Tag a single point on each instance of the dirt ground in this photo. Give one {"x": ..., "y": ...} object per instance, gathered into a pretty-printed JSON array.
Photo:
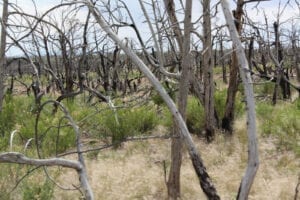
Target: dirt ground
[{"x": 136, "y": 170}]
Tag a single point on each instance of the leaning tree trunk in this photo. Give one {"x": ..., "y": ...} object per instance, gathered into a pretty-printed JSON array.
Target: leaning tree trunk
[
  {"x": 205, "y": 181},
  {"x": 2, "y": 51},
  {"x": 227, "y": 121},
  {"x": 253, "y": 160}
]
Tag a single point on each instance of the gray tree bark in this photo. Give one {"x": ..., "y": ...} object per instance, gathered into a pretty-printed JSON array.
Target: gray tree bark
[
  {"x": 208, "y": 73},
  {"x": 227, "y": 121},
  {"x": 176, "y": 157},
  {"x": 205, "y": 181},
  {"x": 2, "y": 51},
  {"x": 253, "y": 158}
]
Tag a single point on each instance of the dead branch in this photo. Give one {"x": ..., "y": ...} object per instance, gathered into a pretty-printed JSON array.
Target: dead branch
[{"x": 18, "y": 158}]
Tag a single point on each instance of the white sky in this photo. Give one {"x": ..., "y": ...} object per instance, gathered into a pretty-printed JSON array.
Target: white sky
[
  {"x": 255, "y": 13},
  {"x": 270, "y": 6}
]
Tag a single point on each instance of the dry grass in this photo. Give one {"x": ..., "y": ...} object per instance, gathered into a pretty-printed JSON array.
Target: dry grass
[{"x": 136, "y": 171}]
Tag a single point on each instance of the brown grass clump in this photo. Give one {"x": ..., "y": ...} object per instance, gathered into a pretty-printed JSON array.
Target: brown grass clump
[{"x": 136, "y": 170}]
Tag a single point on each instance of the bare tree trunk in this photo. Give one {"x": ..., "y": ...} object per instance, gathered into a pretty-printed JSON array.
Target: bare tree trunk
[
  {"x": 67, "y": 65},
  {"x": 174, "y": 175},
  {"x": 296, "y": 58},
  {"x": 253, "y": 158},
  {"x": 250, "y": 52},
  {"x": 176, "y": 145},
  {"x": 297, "y": 189},
  {"x": 285, "y": 87},
  {"x": 170, "y": 8},
  {"x": 279, "y": 58},
  {"x": 204, "y": 179},
  {"x": 227, "y": 121},
  {"x": 224, "y": 74},
  {"x": 2, "y": 51},
  {"x": 115, "y": 76},
  {"x": 208, "y": 74},
  {"x": 173, "y": 183},
  {"x": 298, "y": 70}
]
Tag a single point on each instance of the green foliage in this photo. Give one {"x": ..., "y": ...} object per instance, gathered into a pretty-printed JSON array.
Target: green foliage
[
  {"x": 156, "y": 98},
  {"x": 7, "y": 120},
  {"x": 219, "y": 69},
  {"x": 220, "y": 103},
  {"x": 55, "y": 133},
  {"x": 37, "y": 191},
  {"x": 166, "y": 118},
  {"x": 264, "y": 89},
  {"x": 282, "y": 122},
  {"x": 15, "y": 110},
  {"x": 195, "y": 116},
  {"x": 239, "y": 106},
  {"x": 17, "y": 114},
  {"x": 128, "y": 122}
]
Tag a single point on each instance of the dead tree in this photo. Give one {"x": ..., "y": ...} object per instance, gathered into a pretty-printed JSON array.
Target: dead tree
[
  {"x": 227, "y": 121},
  {"x": 280, "y": 74},
  {"x": 2, "y": 50},
  {"x": 79, "y": 166},
  {"x": 208, "y": 74},
  {"x": 204, "y": 178},
  {"x": 253, "y": 158}
]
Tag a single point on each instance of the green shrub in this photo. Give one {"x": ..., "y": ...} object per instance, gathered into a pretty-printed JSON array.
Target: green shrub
[
  {"x": 7, "y": 121},
  {"x": 165, "y": 116},
  {"x": 282, "y": 122},
  {"x": 264, "y": 89},
  {"x": 220, "y": 103},
  {"x": 13, "y": 113},
  {"x": 51, "y": 139},
  {"x": 128, "y": 122},
  {"x": 37, "y": 191},
  {"x": 195, "y": 116},
  {"x": 156, "y": 98}
]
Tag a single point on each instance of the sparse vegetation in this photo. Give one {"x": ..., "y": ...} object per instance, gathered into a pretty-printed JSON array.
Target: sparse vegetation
[
  {"x": 85, "y": 108},
  {"x": 98, "y": 122},
  {"x": 281, "y": 122}
]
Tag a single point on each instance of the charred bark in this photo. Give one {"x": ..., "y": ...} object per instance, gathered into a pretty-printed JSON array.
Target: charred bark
[{"x": 227, "y": 121}]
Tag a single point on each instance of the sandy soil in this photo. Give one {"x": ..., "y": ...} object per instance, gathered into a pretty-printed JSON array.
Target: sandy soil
[{"x": 136, "y": 170}]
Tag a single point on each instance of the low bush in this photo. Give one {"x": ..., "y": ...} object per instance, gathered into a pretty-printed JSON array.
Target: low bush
[
  {"x": 128, "y": 122},
  {"x": 281, "y": 121},
  {"x": 171, "y": 90},
  {"x": 36, "y": 191},
  {"x": 264, "y": 89},
  {"x": 194, "y": 116},
  {"x": 7, "y": 120},
  {"x": 220, "y": 103}
]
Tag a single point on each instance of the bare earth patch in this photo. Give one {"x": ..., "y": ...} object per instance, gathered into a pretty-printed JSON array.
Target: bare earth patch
[{"x": 136, "y": 171}]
